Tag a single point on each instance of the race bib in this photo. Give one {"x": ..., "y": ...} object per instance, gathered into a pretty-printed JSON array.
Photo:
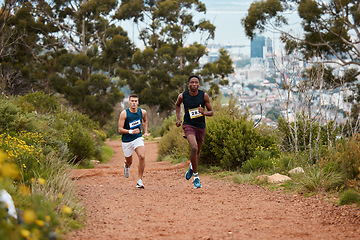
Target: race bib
[
  {"x": 135, "y": 124},
  {"x": 194, "y": 113}
]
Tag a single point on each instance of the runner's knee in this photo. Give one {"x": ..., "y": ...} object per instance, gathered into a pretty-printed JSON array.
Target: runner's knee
[
  {"x": 141, "y": 157},
  {"x": 194, "y": 149}
]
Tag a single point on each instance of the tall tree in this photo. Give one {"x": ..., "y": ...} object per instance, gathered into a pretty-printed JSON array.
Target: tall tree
[
  {"x": 161, "y": 69},
  {"x": 87, "y": 52},
  {"x": 18, "y": 46},
  {"x": 331, "y": 33}
]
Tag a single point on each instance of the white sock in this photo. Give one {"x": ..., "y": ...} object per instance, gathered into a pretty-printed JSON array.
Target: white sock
[
  {"x": 196, "y": 175},
  {"x": 190, "y": 166}
]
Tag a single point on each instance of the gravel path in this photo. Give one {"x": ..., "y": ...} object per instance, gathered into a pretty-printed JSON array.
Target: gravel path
[{"x": 170, "y": 208}]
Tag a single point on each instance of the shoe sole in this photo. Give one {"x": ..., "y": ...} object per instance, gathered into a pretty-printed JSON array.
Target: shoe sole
[{"x": 138, "y": 186}]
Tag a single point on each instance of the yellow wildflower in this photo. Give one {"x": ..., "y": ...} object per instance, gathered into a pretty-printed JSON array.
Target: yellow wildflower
[
  {"x": 40, "y": 223},
  {"x": 25, "y": 233},
  {"x": 24, "y": 190},
  {"x": 41, "y": 181},
  {"x": 9, "y": 170},
  {"x": 29, "y": 216},
  {"x": 66, "y": 209}
]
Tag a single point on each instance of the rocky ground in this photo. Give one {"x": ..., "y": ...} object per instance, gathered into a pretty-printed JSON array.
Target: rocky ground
[{"x": 170, "y": 208}]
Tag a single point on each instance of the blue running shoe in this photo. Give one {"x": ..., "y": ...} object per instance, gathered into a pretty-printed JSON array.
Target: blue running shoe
[
  {"x": 189, "y": 173},
  {"x": 197, "y": 183}
]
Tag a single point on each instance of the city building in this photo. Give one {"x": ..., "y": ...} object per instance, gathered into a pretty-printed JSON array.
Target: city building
[{"x": 257, "y": 47}]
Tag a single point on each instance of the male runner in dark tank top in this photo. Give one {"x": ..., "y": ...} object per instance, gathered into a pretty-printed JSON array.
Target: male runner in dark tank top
[{"x": 195, "y": 101}]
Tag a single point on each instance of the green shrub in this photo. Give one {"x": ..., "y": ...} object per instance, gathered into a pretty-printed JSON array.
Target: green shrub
[
  {"x": 344, "y": 157},
  {"x": 302, "y": 140},
  {"x": 39, "y": 102},
  {"x": 316, "y": 179},
  {"x": 350, "y": 158},
  {"x": 39, "y": 145},
  {"x": 39, "y": 202},
  {"x": 349, "y": 196},
  {"x": 260, "y": 162},
  {"x": 80, "y": 143},
  {"x": 173, "y": 143},
  {"x": 229, "y": 141},
  {"x": 25, "y": 149},
  {"x": 8, "y": 113},
  {"x": 168, "y": 122},
  {"x": 284, "y": 163}
]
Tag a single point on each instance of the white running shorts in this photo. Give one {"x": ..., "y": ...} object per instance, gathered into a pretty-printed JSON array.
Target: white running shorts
[{"x": 129, "y": 147}]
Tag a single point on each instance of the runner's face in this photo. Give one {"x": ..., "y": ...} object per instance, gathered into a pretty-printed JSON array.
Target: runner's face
[
  {"x": 134, "y": 102},
  {"x": 194, "y": 84}
]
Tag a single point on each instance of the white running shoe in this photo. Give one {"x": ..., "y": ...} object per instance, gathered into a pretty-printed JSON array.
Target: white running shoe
[
  {"x": 126, "y": 171},
  {"x": 140, "y": 184}
]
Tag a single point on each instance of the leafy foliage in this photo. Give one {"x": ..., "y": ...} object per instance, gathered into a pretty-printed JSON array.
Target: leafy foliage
[
  {"x": 36, "y": 146},
  {"x": 173, "y": 144},
  {"x": 349, "y": 196},
  {"x": 161, "y": 69},
  {"x": 263, "y": 160},
  {"x": 302, "y": 136},
  {"x": 230, "y": 142}
]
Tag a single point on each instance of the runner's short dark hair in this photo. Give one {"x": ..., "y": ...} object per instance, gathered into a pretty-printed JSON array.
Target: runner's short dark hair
[
  {"x": 194, "y": 76},
  {"x": 133, "y": 96}
]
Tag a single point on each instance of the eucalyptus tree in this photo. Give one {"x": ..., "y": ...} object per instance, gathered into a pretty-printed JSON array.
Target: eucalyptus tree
[
  {"x": 162, "y": 67},
  {"x": 331, "y": 35},
  {"x": 18, "y": 46},
  {"x": 88, "y": 51}
]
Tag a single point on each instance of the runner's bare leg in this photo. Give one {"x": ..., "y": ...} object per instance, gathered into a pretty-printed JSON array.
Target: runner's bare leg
[
  {"x": 194, "y": 152},
  {"x": 128, "y": 161},
  {"x": 140, "y": 151}
]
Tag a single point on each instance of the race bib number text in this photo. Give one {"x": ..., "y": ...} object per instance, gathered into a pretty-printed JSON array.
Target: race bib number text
[
  {"x": 194, "y": 113},
  {"x": 135, "y": 124}
]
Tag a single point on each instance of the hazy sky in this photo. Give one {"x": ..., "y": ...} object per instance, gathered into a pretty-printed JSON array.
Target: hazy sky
[{"x": 226, "y": 15}]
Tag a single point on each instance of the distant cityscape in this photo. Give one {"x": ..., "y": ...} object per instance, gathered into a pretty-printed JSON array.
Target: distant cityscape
[{"x": 256, "y": 84}]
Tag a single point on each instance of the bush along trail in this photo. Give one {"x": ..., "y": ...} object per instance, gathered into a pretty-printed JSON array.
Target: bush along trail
[{"x": 170, "y": 208}]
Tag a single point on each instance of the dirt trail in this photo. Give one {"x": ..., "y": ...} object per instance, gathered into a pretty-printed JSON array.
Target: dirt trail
[{"x": 170, "y": 208}]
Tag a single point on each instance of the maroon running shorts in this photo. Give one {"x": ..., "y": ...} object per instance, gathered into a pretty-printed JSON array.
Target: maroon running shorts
[{"x": 199, "y": 133}]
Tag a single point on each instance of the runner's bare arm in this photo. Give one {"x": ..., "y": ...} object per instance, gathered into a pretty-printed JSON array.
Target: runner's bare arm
[
  {"x": 178, "y": 108},
  {"x": 122, "y": 130},
  {"x": 145, "y": 123},
  {"x": 208, "y": 106}
]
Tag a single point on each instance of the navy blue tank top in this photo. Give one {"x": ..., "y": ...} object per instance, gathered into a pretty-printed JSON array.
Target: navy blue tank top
[
  {"x": 132, "y": 121},
  {"x": 191, "y": 106}
]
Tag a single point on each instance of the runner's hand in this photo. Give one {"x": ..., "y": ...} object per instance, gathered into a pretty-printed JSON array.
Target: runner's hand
[
  {"x": 146, "y": 135},
  {"x": 136, "y": 131},
  {"x": 178, "y": 123},
  {"x": 201, "y": 110}
]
